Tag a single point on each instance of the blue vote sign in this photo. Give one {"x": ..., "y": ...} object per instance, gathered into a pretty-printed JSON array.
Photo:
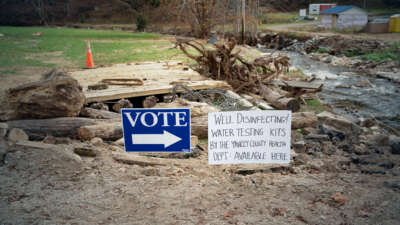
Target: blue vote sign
[{"x": 156, "y": 130}]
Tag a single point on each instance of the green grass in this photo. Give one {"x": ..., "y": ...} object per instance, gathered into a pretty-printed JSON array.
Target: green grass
[
  {"x": 279, "y": 18},
  {"x": 65, "y": 47},
  {"x": 392, "y": 53},
  {"x": 321, "y": 50},
  {"x": 268, "y": 19}
]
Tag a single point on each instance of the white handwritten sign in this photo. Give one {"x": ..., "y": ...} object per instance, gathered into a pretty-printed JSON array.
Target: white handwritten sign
[{"x": 249, "y": 137}]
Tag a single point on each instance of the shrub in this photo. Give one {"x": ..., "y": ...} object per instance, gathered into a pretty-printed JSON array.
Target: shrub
[{"x": 140, "y": 23}]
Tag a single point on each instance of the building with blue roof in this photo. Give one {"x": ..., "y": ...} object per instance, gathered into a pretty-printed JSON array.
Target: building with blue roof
[{"x": 346, "y": 16}]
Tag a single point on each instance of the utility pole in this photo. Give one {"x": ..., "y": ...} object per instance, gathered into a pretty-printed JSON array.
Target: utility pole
[{"x": 243, "y": 20}]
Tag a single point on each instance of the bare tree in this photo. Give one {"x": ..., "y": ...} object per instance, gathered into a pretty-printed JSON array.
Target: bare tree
[{"x": 201, "y": 15}]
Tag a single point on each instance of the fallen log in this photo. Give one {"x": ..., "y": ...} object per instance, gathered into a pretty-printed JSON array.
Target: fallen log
[
  {"x": 106, "y": 131},
  {"x": 304, "y": 119},
  {"x": 57, "y": 127},
  {"x": 99, "y": 114},
  {"x": 140, "y": 160},
  {"x": 199, "y": 126},
  {"x": 113, "y": 131},
  {"x": 278, "y": 100}
]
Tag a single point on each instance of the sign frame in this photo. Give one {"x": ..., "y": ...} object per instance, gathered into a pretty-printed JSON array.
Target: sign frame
[
  {"x": 174, "y": 141},
  {"x": 249, "y": 137}
]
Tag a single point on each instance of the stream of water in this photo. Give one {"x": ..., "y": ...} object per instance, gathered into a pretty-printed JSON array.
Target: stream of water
[{"x": 344, "y": 91}]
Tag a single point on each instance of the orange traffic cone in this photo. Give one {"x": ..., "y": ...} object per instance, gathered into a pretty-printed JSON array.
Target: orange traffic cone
[{"x": 89, "y": 57}]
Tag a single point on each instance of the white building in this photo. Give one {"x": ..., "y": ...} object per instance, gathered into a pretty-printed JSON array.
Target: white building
[{"x": 344, "y": 17}]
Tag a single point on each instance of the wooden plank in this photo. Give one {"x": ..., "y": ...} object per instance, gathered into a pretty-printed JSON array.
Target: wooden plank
[
  {"x": 146, "y": 90},
  {"x": 298, "y": 84},
  {"x": 158, "y": 78},
  {"x": 134, "y": 159}
]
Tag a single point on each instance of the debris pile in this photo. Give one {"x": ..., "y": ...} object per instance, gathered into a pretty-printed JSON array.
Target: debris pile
[
  {"x": 338, "y": 45},
  {"x": 225, "y": 64}
]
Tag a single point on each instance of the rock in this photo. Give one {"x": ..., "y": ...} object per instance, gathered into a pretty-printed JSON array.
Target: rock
[
  {"x": 99, "y": 106},
  {"x": 394, "y": 139},
  {"x": 56, "y": 95},
  {"x": 364, "y": 83},
  {"x": 387, "y": 164},
  {"x": 123, "y": 103},
  {"x": 3, "y": 129},
  {"x": 395, "y": 149},
  {"x": 377, "y": 140},
  {"x": 367, "y": 122},
  {"x": 299, "y": 146},
  {"x": 57, "y": 140},
  {"x": 317, "y": 137},
  {"x": 339, "y": 123},
  {"x": 237, "y": 179},
  {"x": 120, "y": 142},
  {"x": 309, "y": 130},
  {"x": 96, "y": 141},
  {"x": 85, "y": 151},
  {"x": 332, "y": 132},
  {"x": 150, "y": 102},
  {"x": 396, "y": 171},
  {"x": 360, "y": 149},
  {"x": 395, "y": 184},
  {"x": 339, "y": 198},
  {"x": 327, "y": 59},
  {"x": 17, "y": 134},
  {"x": 369, "y": 160},
  {"x": 301, "y": 159},
  {"x": 328, "y": 148},
  {"x": 313, "y": 147},
  {"x": 151, "y": 172},
  {"x": 394, "y": 142},
  {"x": 3, "y": 151},
  {"x": 316, "y": 164},
  {"x": 304, "y": 119},
  {"x": 373, "y": 170}
]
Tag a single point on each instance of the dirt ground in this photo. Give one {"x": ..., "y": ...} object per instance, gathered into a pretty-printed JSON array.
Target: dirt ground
[{"x": 52, "y": 185}]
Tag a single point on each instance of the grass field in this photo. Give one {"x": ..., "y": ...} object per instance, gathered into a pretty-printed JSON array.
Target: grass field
[{"x": 66, "y": 48}]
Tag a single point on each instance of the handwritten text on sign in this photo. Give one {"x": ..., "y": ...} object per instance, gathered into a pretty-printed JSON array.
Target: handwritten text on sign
[{"x": 249, "y": 137}]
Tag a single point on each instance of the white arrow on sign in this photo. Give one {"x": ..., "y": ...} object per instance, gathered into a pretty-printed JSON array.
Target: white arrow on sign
[{"x": 165, "y": 139}]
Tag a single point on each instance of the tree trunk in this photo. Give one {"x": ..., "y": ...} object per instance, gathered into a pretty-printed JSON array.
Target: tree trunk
[
  {"x": 99, "y": 114},
  {"x": 106, "y": 131},
  {"x": 58, "y": 127},
  {"x": 278, "y": 100}
]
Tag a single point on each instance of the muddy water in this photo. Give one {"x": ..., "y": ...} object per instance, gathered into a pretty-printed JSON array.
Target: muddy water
[{"x": 354, "y": 95}]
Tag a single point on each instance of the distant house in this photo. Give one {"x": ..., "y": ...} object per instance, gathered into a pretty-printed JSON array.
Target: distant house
[{"x": 344, "y": 17}]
